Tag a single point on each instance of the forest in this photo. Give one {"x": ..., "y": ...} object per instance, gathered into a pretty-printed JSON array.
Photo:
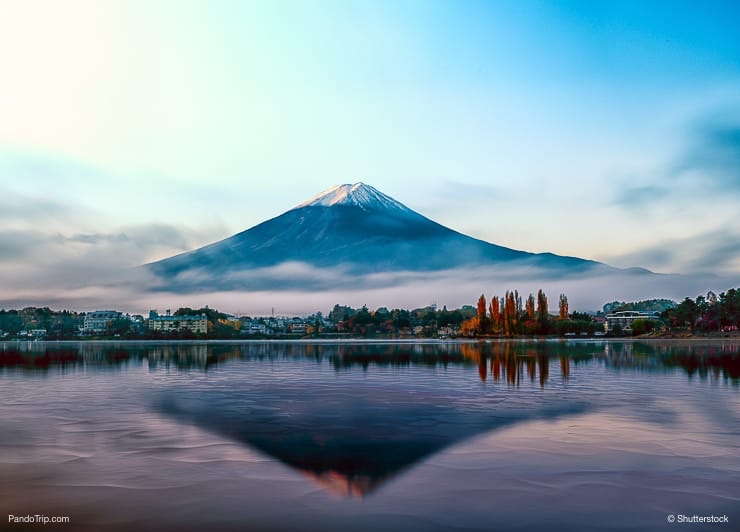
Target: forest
[{"x": 506, "y": 316}]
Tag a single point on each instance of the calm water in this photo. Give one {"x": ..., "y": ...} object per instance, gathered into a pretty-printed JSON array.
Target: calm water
[{"x": 436, "y": 436}]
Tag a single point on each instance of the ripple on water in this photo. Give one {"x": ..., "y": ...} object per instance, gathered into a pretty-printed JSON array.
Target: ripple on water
[{"x": 268, "y": 439}]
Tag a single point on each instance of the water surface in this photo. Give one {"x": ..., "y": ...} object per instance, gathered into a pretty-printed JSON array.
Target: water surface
[{"x": 363, "y": 436}]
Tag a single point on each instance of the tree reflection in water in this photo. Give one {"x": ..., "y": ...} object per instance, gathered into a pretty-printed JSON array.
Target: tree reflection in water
[
  {"x": 348, "y": 436},
  {"x": 507, "y": 360}
]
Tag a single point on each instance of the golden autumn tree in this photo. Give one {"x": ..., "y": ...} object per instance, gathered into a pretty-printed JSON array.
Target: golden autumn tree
[
  {"x": 563, "y": 307},
  {"x": 541, "y": 307},
  {"x": 529, "y": 307},
  {"x": 505, "y": 321},
  {"x": 494, "y": 311},
  {"x": 509, "y": 317},
  {"x": 482, "y": 321},
  {"x": 518, "y": 301},
  {"x": 469, "y": 327}
]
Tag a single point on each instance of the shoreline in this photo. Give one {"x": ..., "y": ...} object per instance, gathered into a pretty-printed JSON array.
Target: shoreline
[{"x": 367, "y": 341}]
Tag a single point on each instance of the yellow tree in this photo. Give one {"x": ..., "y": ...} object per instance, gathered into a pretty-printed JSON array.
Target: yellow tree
[
  {"x": 495, "y": 313},
  {"x": 518, "y": 301},
  {"x": 509, "y": 313},
  {"x": 501, "y": 311},
  {"x": 482, "y": 313},
  {"x": 541, "y": 307},
  {"x": 505, "y": 319},
  {"x": 530, "y": 307},
  {"x": 563, "y": 307},
  {"x": 469, "y": 327}
]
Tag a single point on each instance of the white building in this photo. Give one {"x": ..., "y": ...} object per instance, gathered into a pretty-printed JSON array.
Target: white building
[
  {"x": 169, "y": 323},
  {"x": 625, "y": 318},
  {"x": 255, "y": 327},
  {"x": 33, "y": 333},
  {"x": 298, "y": 327},
  {"x": 99, "y": 320}
]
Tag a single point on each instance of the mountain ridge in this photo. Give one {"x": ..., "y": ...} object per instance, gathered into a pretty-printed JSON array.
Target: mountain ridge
[{"x": 354, "y": 227}]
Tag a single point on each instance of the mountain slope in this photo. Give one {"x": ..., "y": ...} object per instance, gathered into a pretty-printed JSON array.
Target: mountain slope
[{"x": 357, "y": 228}]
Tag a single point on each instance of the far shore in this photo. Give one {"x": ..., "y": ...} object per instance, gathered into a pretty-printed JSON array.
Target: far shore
[{"x": 732, "y": 338}]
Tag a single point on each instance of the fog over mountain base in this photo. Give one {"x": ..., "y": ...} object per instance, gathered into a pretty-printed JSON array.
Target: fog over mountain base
[
  {"x": 452, "y": 288},
  {"x": 298, "y": 289}
]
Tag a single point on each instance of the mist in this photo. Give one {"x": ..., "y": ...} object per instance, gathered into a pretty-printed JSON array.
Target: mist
[{"x": 300, "y": 289}]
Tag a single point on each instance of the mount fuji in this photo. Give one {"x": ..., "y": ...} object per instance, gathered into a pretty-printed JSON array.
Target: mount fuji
[{"x": 354, "y": 228}]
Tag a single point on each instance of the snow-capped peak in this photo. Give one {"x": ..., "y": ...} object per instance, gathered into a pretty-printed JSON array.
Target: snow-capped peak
[{"x": 359, "y": 195}]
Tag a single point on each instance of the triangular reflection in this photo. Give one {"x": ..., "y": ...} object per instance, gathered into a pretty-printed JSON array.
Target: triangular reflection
[{"x": 352, "y": 437}]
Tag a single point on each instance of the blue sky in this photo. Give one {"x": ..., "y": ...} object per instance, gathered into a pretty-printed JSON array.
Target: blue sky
[{"x": 605, "y": 130}]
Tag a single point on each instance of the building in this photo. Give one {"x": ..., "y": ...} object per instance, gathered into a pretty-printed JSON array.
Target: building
[
  {"x": 36, "y": 334},
  {"x": 99, "y": 320},
  {"x": 169, "y": 323},
  {"x": 624, "y": 319},
  {"x": 276, "y": 324},
  {"x": 443, "y": 332},
  {"x": 298, "y": 326},
  {"x": 138, "y": 324},
  {"x": 598, "y": 320},
  {"x": 255, "y": 327}
]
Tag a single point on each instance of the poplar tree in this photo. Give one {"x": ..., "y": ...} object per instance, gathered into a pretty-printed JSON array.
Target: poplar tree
[
  {"x": 563, "y": 307},
  {"x": 541, "y": 307},
  {"x": 495, "y": 314},
  {"x": 509, "y": 313},
  {"x": 482, "y": 322},
  {"x": 530, "y": 307},
  {"x": 518, "y": 301}
]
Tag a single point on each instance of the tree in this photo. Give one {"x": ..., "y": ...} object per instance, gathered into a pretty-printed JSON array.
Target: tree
[
  {"x": 509, "y": 317},
  {"x": 728, "y": 310},
  {"x": 482, "y": 321},
  {"x": 518, "y": 301},
  {"x": 429, "y": 317},
  {"x": 686, "y": 312},
  {"x": 341, "y": 313},
  {"x": 530, "y": 307},
  {"x": 11, "y": 322},
  {"x": 542, "y": 312},
  {"x": 119, "y": 326},
  {"x": 64, "y": 325},
  {"x": 642, "y": 326},
  {"x": 401, "y": 318},
  {"x": 444, "y": 317},
  {"x": 563, "y": 307},
  {"x": 363, "y": 316},
  {"x": 709, "y": 320},
  {"x": 495, "y": 312},
  {"x": 648, "y": 305},
  {"x": 469, "y": 327}
]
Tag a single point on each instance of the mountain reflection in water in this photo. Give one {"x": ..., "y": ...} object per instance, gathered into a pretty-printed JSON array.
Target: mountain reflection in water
[
  {"x": 508, "y": 360},
  {"x": 351, "y": 437}
]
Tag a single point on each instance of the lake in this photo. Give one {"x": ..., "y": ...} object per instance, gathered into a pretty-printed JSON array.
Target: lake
[{"x": 550, "y": 435}]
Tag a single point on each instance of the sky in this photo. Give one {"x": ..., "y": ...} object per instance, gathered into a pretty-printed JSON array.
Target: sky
[{"x": 133, "y": 130}]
